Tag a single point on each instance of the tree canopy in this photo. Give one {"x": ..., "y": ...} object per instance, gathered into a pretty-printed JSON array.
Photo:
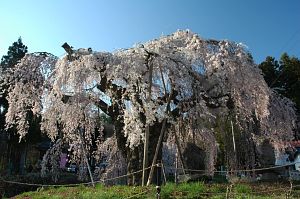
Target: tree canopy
[{"x": 180, "y": 77}]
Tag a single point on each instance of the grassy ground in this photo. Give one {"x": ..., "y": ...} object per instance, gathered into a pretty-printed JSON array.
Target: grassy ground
[{"x": 170, "y": 190}]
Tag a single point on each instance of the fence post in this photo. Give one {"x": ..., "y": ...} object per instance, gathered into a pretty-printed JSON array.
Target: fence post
[
  {"x": 289, "y": 192},
  {"x": 158, "y": 190},
  {"x": 1, "y": 188},
  {"x": 227, "y": 192}
]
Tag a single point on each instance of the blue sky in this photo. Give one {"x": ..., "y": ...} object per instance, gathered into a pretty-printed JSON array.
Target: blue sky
[{"x": 267, "y": 27}]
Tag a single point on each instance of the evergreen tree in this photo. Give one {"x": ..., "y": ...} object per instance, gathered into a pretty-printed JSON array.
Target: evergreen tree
[
  {"x": 15, "y": 53},
  {"x": 283, "y": 76},
  {"x": 270, "y": 69},
  {"x": 290, "y": 78}
]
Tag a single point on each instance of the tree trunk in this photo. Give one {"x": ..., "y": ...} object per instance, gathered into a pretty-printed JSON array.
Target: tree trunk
[
  {"x": 134, "y": 157},
  {"x": 22, "y": 163}
]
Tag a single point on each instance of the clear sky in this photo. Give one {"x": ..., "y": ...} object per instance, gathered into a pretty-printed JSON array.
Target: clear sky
[{"x": 267, "y": 27}]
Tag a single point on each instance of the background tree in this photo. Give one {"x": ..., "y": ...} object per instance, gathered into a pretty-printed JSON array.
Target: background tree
[
  {"x": 270, "y": 69},
  {"x": 15, "y": 53},
  {"x": 290, "y": 78},
  {"x": 284, "y": 77}
]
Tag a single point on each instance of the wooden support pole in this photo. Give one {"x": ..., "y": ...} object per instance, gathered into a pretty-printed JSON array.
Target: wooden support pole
[
  {"x": 233, "y": 139},
  {"x": 162, "y": 132},
  {"x": 145, "y": 158},
  {"x": 234, "y": 147},
  {"x": 179, "y": 149},
  {"x": 176, "y": 167},
  {"x": 85, "y": 156},
  {"x": 147, "y": 131},
  {"x": 161, "y": 135},
  {"x": 164, "y": 172}
]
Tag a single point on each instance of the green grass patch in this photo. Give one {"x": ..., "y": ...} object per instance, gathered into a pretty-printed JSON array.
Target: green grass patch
[
  {"x": 168, "y": 191},
  {"x": 242, "y": 188}
]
